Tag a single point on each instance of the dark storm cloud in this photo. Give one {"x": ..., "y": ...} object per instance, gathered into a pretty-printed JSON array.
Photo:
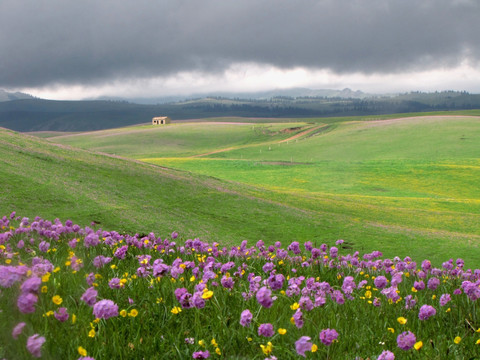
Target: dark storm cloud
[{"x": 84, "y": 42}]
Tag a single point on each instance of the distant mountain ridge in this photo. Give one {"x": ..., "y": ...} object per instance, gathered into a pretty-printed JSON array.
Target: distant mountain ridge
[
  {"x": 8, "y": 96},
  {"x": 32, "y": 114},
  {"x": 257, "y": 95}
]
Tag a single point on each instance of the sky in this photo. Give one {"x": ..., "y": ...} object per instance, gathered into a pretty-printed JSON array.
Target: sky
[{"x": 70, "y": 49}]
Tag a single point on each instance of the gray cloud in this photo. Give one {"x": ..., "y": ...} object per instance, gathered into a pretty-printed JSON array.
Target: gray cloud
[{"x": 46, "y": 42}]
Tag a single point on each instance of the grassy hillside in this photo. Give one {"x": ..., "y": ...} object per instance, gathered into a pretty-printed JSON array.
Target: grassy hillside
[
  {"x": 38, "y": 178},
  {"x": 406, "y": 186},
  {"x": 183, "y": 139}
]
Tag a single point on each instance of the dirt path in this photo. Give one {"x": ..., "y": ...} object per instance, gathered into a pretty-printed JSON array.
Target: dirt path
[{"x": 294, "y": 137}]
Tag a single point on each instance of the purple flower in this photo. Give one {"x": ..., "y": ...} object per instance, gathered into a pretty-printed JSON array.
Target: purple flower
[
  {"x": 90, "y": 296},
  {"x": 275, "y": 281},
  {"x": 227, "y": 282},
  {"x": 115, "y": 283},
  {"x": 43, "y": 246},
  {"x": 31, "y": 285},
  {"x": 201, "y": 354},
  {"x": 90, "y": 279},
  {"x": 426, "y": 311},
  {"x": 105, "y": 309},
  {"x": 327, "y": 336},
  {"x": 121, "y": 252},
  {"x": 268, "y": 267},
  {"x": 17, "y": 330},
  {"x": 380, "y": 282},
  {"x": 419, "y": 285},
  {"x": 101, "y": 260},
  {"x": 91, "y": 240},
  {"x": 86, "y": 358},
  {"x": 433, "y": 283},
  {"x": 61, "y": 315},
  {"x": 386, "y": 355},
  {"x": 333, "y": 252},
  {"x": 298, "y": 318},
  {"x": 34, "y": 345},
  {"x": 266, "y": 330},
  {"x": 410, "y": 302},
  {"x": 471, "y": 289},
  {"x": 303, "y": 344},
  {"x": 348, "y": 285},
  {"x": 246, "y": 318},
  {"x": 426, "y": 265},
  {"x": 26, "y": 302},
  {"x": 294, "y": 247},
  {"x": 264, "y": 297},
  {"x": 406, "y": 340},
  {"x": 445, "y": 299}
]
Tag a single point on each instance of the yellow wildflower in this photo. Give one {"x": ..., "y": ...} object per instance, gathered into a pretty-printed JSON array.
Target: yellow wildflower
[
  {"x": 392, "y": 330},
  {"x": 82, "y": 351},
  {"x": 133, "y": 313},
  {"x": 74, "y": 318},
  {"x": 91, "y": 333},
  {"x": 457, "y": 340},
  {"x": 123, "y": 313},
  {"x": 44, "y": 289},
  {"x": 294, "y": 306},
  {"x": 267, "y": 349},
  {"x": 282, "y": 331},
  {"x": 57, "y": 300},
  {"x": 418, "y": 345},
  {"x": 46, "y": 277},
  {"x": 207, "y": 294},
  {"x": 401, "y": 320},
  {"x": 176, "y": 310},
  {"x": 217, "y": 351},
  {"x": 314, "y": 348},
  {"x": 201, "y": 343}
]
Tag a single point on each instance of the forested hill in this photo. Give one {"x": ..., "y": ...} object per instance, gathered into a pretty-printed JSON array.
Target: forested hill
[{"x": 43, "y": 115}]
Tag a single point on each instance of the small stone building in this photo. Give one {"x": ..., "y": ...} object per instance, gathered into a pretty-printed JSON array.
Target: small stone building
[{"x": 161, "y": 120}]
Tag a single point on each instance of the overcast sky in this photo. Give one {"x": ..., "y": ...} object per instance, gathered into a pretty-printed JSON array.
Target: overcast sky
[{"x": 82, "y": 48}]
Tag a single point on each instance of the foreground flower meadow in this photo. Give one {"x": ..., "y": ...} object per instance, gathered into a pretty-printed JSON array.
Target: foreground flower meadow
[{"x": 68, "y": 292}]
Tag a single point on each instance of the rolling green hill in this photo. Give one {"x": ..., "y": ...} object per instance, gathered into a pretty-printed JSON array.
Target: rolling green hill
[{"x": 408, "y": 186}]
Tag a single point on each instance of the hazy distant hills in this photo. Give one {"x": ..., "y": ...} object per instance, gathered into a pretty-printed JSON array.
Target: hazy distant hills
[
  {"x": 8, "y": 96},
  {"x": 259, "y": 95},
  {"x": 22, "y": 112}
]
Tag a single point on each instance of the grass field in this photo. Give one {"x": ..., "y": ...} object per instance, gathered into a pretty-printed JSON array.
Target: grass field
[{"x": 405, "y": 185}]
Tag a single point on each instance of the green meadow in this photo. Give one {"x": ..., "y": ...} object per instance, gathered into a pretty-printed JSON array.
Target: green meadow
[{"x": 406, "y": 185}]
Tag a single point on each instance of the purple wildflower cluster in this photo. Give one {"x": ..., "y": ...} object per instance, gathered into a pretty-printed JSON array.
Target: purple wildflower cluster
[{"x": 196, "y": 270}]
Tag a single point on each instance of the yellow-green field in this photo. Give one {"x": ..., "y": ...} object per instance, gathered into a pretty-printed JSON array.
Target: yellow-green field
[{"x": 406, "y": 185}]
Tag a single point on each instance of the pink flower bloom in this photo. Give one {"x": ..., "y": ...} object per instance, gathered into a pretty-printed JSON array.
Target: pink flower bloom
[
  {"x": 17, "y": 330},
  {"x": 105, "y": 309},
  {"x": 266, "y": 330},
  {"x": 34, "y": 345},
  {"x": 263, "y": 297},
  {"x": 327, "y": 336},
  {"x": 90, "y": 296},
  {"x": 303, "y": 344},
  {"x": 406, "y": 340},
  {"x": 26, "y": 302},
  {"x": 426, "y": 311},
  {"x": 386, "y": 355},
  {"x": 61, "y": 315},
  {"x": 246, "y": 318}
]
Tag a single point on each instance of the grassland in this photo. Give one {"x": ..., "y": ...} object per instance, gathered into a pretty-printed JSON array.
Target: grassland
[{"x": 405, "y": 185}]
